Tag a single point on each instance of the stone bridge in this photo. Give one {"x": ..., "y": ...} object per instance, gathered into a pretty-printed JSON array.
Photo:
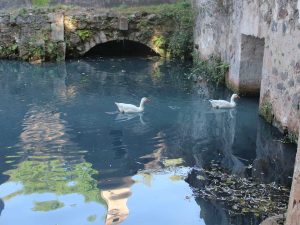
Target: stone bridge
[
  {"x": 38, "y": 35},
  {"x": 84, "y": 32}
]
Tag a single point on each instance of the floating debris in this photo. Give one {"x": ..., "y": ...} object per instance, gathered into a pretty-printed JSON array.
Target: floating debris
[
  {"x": 173, "y": 162},
  {"x": 239, "y": 196}
]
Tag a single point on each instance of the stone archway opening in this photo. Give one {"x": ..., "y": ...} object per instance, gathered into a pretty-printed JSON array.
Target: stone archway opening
[
  {"x": 121, "y": 48},
  {"x": 252, "y": 54}
]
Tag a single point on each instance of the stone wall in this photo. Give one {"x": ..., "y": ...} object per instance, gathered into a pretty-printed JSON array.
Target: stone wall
[
  {"x": 8, "y": 4},
  {"x": 86, "y": 30},
  {"x": 38, "y": 35},
  {"x": 32, "y": 36},
  {"x": 109, "y": 3},
  {"x": 293, "y": 214},
  {"x": 261, "y": 42}
]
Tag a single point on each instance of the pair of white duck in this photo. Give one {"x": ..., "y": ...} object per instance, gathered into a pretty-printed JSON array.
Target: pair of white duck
[{"x": 220, "y": 104}]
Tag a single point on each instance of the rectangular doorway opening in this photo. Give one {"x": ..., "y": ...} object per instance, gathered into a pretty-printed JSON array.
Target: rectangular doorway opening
[{"x": 252, "y": 54}]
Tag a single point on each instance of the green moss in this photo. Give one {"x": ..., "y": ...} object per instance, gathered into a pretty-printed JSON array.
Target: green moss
[
  {"x": 84, "y": 34},
  {"x": 213, "y": 69},
  {"x": 266, "y": 111},
  {"x": 46, "y": 206}
]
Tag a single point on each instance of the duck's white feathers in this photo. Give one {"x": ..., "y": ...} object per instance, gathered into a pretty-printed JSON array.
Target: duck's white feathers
[
  {"x": 128, "y": 108},
  {"x": 222, "y": 104}
]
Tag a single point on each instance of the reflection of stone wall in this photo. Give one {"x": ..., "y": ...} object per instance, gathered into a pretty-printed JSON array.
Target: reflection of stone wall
[
  {"x": 274, "y": 160},
  {"x": 293, "y": 214},
  {"x": 275, "y": 22},
  {"x": 210, "y": 135}
]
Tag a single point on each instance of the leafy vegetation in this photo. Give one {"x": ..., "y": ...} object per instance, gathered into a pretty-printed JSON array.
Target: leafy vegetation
[
  {"x": 181, "y": 41},
  {"x": 266, "y": 111},
  {"x": 40, "y": 2},
  {"x": 289, "y": 138},
  {"x": 34, "y": 52},
  {"x": 10, "y": 50},
  {"x": 84, "y": 34},
  {"x": 213, "y": 69},
  {"x": 176, "y": 42},
  {"x": 54, "y": 51}
]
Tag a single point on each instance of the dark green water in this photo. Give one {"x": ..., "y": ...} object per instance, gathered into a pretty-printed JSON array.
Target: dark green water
[{"x": 67, "y": 158}]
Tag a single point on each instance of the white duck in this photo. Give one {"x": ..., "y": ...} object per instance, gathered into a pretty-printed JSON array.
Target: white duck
[
  {"x": 129, "y": 108},
  {"x": 219, "y": 104}
]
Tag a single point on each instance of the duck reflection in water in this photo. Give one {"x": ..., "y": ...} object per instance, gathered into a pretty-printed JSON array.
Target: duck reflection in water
[{"x": 126, "y": 117}]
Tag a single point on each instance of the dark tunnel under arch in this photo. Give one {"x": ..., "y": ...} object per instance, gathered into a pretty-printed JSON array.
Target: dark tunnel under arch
[{"x": 123, "y": 48}]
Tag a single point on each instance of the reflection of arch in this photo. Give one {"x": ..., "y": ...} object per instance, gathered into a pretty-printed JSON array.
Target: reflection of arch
[{"x": 102, "y": 38}]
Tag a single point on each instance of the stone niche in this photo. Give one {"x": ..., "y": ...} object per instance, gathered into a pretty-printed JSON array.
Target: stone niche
[{"x": 252, "y": 53}]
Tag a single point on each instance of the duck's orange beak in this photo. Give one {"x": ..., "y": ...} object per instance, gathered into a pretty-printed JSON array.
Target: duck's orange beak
[{"x": 238, "y": 97}]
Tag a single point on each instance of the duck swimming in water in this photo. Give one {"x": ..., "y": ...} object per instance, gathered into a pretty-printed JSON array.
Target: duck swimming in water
[
  {"x": 129, "y": 108},
  {"x": 223, "y": 104}
]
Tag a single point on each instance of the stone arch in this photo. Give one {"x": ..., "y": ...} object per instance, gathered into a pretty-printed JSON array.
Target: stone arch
[{"x": 101, "y": 38}]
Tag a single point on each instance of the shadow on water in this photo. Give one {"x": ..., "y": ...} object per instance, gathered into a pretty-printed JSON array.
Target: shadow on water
[{"x": 62, "y": 153}]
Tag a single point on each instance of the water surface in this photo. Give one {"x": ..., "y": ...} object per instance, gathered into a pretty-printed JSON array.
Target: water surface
[{"x": 67, "y": 157}]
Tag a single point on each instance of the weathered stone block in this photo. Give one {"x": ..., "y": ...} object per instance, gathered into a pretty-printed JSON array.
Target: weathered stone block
[
  {"x": 123, "y": 23},
  {"x": 5, "y": 19},
  {"x": 92, "y": 43},
  {"x": 291, "y": 83},
  {"x": 103, "y": 37},
  {"x": 112, "y": 15},
  {"x": 282, "y": 13},
  {"x": 274, "y": 26},
  {"x": 275, "y": 71},
  {"x": 284, "y": 75},
  {"x": 74, "y": 39},
  {"x": 4, "y": 28},
  {"x": 280, "y": 87},
  {"x": 57, "y": 26},
  {"x": 151, "y": 17}
]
